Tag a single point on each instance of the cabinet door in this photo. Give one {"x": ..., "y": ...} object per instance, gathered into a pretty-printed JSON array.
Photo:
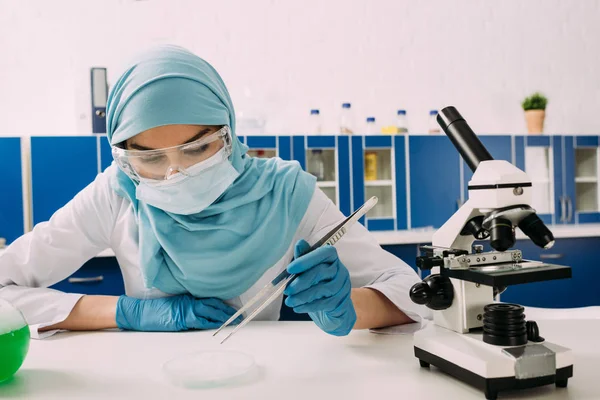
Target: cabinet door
[
  {"x": 434, "y": 180},
  {"x": 581, "y": 172},
  {"x": 11, "y": 190},
  {"x": 500, "y": 147},
  {"x": 261, "y": 146},
  {"x": 374, "y": 170},
  {"x": 581, "y": 254},
  {"x": 541, "y": 158},
  {"x": 60, "y": 168},
  {"x": 328, "y": 159},
  {"x": 406, "y": 252},
  {"x": 106, "y": 157}
]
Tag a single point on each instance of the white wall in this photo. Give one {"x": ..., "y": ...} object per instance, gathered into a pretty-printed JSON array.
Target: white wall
[{"x": 482, "y": 56}]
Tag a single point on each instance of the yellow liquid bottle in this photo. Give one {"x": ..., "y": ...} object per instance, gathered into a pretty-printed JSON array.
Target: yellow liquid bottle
[{"x": 370, "y": 166}]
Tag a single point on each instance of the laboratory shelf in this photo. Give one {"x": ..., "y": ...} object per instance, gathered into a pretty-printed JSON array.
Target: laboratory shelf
[
  {"x": 327, "y": 184},
  {"x": 385, "y": 182},
  {"x": 586, "y": 179}
]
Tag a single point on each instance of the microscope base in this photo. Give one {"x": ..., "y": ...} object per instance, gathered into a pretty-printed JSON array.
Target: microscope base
[{"x": 490, "y": 368}]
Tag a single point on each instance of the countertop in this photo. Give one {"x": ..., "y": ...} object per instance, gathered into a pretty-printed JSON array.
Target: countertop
[
  {"x": 296, "y": 361},
  {"x": 423, "y": 236}
]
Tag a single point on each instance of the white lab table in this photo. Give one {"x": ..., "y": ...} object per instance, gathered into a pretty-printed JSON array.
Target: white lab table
[{"x": 297, "y": 361}]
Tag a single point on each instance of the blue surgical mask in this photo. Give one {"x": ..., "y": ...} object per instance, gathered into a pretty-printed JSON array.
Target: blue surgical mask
[{"x": 189, "y": 194}]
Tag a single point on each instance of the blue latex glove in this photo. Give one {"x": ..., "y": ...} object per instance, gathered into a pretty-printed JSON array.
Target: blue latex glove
[
  {"x": 321, "y": 288},
  {"x": 170, "y": 314}
]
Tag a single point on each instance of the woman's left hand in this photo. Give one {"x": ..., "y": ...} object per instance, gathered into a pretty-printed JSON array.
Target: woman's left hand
[{"x": 321, "y": 288}]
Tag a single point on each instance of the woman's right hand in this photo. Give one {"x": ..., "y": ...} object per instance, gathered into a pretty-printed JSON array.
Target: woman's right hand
[{"x": 170, "y": 314}]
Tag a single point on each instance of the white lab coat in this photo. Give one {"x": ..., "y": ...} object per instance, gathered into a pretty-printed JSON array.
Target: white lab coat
[{"x": 97, "y": 219}]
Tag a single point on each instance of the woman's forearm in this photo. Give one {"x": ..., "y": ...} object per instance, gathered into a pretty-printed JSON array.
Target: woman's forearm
[
  {"x": 374, "y": 310},
  {"x": 89, "y": 314}
]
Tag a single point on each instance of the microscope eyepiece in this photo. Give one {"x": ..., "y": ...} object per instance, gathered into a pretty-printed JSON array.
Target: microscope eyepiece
[
  {"x": 537, "y": 231},
  {"x": 462, "y": 136}
]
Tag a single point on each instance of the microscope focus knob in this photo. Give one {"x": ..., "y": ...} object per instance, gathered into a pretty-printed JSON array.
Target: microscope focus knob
[
  {"x": 435, "y": 292},
  {"x": 424, "y": 263}
]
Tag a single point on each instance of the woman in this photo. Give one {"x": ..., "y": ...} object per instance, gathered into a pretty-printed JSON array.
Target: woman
[{"x": 198, "y": 226}]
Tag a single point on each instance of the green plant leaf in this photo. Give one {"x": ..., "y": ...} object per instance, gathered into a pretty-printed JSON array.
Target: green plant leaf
[{"x": 536, "y": 101}]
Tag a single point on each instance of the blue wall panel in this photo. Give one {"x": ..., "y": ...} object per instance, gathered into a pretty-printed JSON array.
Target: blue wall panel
[
  {"x": 11, "y": 189},
  {"x": 60, "y": 168}
]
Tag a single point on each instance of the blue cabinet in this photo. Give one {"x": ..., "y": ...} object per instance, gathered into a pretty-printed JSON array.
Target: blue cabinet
[
  {"x": 541, "y": 158},
  {"x": 581, "y": 254},
  {"x": 564, "y": 171},
  {"x": 11, "y": 190},
  {"x": 105, "y": 152},
  {"x": 60, "y": 168},
  {"x": 328, "y": 158},
  {"x": 99, "y": 276},
  {"x": 268, "y": 146},
  {"x": 406, "y": 252},
  {"x": 379, "y": 169},
  {"x": 581, "y": 171},
  {"x": 435, "y": 187}
]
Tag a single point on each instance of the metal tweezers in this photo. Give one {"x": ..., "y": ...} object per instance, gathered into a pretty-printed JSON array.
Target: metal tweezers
[{"x": 274, "y": 288}]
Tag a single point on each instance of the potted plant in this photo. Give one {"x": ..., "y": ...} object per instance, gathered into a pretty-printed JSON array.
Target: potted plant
[{"x": 535, "y": 112}]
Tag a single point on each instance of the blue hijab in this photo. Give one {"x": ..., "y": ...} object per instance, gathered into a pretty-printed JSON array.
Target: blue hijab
[{"x": 223, "y": 250}]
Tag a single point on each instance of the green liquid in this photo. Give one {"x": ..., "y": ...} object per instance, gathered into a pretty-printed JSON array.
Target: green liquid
[{"x": 13, "y": 349}]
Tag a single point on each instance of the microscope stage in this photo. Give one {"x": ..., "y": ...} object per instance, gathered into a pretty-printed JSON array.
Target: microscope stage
[{"x": 508, "y": 274}]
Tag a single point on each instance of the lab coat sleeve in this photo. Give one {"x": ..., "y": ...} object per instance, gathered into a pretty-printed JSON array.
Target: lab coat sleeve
[
  {"x": 369, "y": 265},
  {"x": 52, "y": 251}
]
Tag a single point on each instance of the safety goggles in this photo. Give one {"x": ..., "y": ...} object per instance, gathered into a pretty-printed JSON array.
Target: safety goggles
[{"x": 163, "y": 164}]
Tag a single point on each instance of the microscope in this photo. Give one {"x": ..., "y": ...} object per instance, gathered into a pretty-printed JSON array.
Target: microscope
[{"x": 485, "y": 343}]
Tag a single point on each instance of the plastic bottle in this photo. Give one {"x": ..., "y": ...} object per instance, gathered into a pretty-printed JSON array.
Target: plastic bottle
[
  {"x": 401, "y": 122},
  {"x": 346, "y": 120},
  {"x": 317, "y": 165},
  {"x": 434, "y": 127},
  {"x": 315, "y": 126},
  {"x": 371, "y": 129}
]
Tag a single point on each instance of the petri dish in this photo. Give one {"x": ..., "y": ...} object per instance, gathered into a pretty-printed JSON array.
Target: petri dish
[{"x": 205, "y": 369}]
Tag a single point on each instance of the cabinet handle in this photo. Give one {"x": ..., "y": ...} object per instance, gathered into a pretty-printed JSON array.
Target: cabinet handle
[
  {"x": 99, "y": 278},
  {"x": 551, "y": 256},
  {"x": 563, "y": 209},
  {"x": 570, "y": 208}
]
